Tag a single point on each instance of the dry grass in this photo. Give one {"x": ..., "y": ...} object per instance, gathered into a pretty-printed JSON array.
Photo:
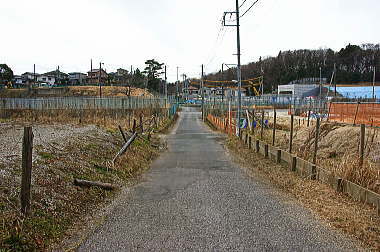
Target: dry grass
[
  {"x": 57, "y": 204},
  {"x": 338, "y": 148},
  {"x": 107, "y": 91},
  {"x": 359, "y": 221}
]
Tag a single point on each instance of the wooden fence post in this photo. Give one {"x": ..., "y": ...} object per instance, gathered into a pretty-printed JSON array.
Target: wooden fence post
[
  {"x": 313, "y": 172},
  {"x": 141, "y": 123},
  {"x": 293, "y": 164},
  {"x": 252, "y": 122},
  {"x": 278, "y": 156},
  {"x": 316, "y": 141},
  {"x": 362, "y": 140},
  {"x": 291, "y": 133},
  {"x": 308, "y": 118},
  {"x": 262, "y": 125},
  {"x": 27, "y": 150},
  {"x": 257, "y": 145},
  {"x": 266, "y": 151},
  {"x": 250, "y": 142},
  {"x": 274, "y": 127},
  {"x": 134, "y": 126}
]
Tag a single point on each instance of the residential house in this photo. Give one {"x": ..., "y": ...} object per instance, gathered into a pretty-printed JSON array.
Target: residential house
[
  {"x": 60, "y": 77},
  {"x": 18, "y": 81},
  {"x": 29, "y": 77},
  {"x": 93, "y": 76},
  {"x": 77, "y": 78},
  {"x": 45, "y": 78}
]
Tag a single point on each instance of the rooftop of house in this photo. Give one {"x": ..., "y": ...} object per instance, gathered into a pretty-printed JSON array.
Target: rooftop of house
[
  {"x": 95, "y": 71},
  {"x": 74, "y": 73}
]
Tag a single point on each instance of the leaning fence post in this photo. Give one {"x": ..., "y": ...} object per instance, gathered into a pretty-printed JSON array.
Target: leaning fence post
[
  {"x": 316, "y": 141},
  {"x": 134, "y": 126},
  {"x": 141, "y": 123},
  {"x": 362, "y": 139},
  {"x": 274, "y": 127},
  {"x": 27, "y": 149},
  {"x": 291, "y": 133}
]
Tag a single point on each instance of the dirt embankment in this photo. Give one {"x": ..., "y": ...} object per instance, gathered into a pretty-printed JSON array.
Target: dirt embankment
[
  {"x": 61, "y": 154},
  {"x": 338, "y": 149}
]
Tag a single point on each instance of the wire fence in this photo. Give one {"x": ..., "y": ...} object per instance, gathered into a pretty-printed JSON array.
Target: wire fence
[{"x": 356, "y": 113}]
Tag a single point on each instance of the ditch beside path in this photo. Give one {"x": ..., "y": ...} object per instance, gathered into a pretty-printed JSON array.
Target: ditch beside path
[{"x": 195, "y": 198}]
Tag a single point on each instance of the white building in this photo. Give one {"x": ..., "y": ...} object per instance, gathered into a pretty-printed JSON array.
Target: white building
[
  {"x": 299, "y": 90},
  {"x": 49, "y": 79}
]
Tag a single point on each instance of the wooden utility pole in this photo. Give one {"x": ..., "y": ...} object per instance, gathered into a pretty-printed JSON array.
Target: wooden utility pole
[
  {"x": 203, "y": 96},
  {"x": 27, "y": 150},
  {"x": 99, "y": 79}
]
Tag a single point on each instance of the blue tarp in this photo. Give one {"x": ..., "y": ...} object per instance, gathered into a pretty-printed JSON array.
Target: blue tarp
[{"x": 356, "y": 92}]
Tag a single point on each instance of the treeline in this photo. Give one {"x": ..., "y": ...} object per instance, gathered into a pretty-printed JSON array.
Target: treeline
[{"x": 354, "y": 64}]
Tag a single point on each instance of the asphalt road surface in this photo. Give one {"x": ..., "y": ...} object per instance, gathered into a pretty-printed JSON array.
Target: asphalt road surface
[{"x": 196, "y": 198}]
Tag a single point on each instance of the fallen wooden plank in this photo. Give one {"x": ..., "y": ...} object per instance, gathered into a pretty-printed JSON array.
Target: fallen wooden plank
[
  {"x": 125, "y": 147},
  {"x": 87, "y": 183}
]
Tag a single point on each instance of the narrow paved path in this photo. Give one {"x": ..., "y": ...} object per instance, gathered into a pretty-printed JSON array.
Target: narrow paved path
[{"x": 196, "y": 198}]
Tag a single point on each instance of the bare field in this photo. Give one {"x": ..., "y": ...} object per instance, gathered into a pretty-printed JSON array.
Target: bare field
[{"x": 63, "y": 152}]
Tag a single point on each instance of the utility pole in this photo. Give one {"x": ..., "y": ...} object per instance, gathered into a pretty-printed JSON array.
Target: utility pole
[
  {"x": 34, "y": 74},
  {"x": 238, "y": 61},
  {"x": 176, "y": 92},
  {"x": 166, "y": 85},
  {"x": 203, "y": 96},
  {"x": 334, "y": 75},
  {"x": 239, "y": 64},
  {"x": 373, "y": 83},
  {"x": 320, "y": 82},
  {"x": 222, "y": 84},
  {"x": 99, "y": 79}
]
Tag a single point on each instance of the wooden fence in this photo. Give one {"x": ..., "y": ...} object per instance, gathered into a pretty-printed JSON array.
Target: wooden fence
[
  {"x": 82, "y": 103},
  {"x": 304, "y": 168}
]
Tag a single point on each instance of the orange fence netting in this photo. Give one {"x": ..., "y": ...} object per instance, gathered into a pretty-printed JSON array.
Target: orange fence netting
[{"x": 356, "y": 113}]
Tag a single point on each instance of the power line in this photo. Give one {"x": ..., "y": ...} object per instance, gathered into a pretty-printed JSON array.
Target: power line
[
  {"x": 242, "y": 3},
  {"x": 249, "y": 8}
]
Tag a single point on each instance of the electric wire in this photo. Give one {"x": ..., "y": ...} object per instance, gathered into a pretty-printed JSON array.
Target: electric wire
[
  {"x": 254, "y": 3},
  {"x": 242, "y": 3}
]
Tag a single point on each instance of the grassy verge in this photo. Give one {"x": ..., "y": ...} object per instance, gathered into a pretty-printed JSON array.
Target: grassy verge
[
  {"x": 359, "y": 221},
  {"x": 57, "y": 204}
]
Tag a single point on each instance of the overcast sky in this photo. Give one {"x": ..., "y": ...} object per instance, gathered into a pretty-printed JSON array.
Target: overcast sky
[{"x": 181, "y": 33}]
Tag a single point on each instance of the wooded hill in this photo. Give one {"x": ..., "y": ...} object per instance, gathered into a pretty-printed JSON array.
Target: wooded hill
[{"x": 354, "y": 64}]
